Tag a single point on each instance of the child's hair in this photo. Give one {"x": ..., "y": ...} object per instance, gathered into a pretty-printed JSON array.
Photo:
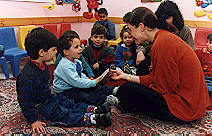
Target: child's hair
[
  {"x": 37, "y": 39},
  {"x": 209, "y": 37},
  {"x": 167, "y": 9},
  {"x": 65, "y": 41},
  {"x": 127, "y": 16},
  {"x": 127, "y": 29},
  {"x": 103, "y": 11},
  {"x": 143, "y": 15},
  {"x": 98, "y": 29},
  {"x": 124, "y": 29}
]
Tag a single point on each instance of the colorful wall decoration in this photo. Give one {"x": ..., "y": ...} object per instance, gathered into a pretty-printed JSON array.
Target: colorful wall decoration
[{"x": 206, "y": 6}]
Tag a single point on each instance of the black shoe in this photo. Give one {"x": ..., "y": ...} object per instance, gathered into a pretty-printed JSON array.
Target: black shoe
[
  {"x": 103, "y": 120},
  {"x": 104, "y": 108}
]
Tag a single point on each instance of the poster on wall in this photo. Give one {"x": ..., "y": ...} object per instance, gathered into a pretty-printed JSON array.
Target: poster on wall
[
  {"x": 34, "y": 0},
  {"x": 151, "y": 0}
]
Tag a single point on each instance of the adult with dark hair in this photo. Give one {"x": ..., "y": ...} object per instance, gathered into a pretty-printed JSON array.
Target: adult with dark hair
[
  {"x": 143, "y": 58},
  {"x": 175, "y": 89},
  {"x": 171, "y": 19}
]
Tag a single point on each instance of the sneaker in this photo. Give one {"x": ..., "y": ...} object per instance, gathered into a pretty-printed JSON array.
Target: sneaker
[
  {"x": 104, "y": 108},
  {"x": 103, "y": 120},
  {"x": 112, "y": 100}
]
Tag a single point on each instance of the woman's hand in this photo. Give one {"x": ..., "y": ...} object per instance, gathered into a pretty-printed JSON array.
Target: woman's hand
[
  {"x": 118, "y": 75},
  {"x": 37, "y": 126},
  {"x": 98, "y": 79},
  {"x": 96, "y": 65}
]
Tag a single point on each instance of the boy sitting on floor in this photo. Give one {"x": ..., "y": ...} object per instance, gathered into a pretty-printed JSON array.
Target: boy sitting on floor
[
  {"x": 34, "y": 92},
  {"x": 97, "y": 54}
]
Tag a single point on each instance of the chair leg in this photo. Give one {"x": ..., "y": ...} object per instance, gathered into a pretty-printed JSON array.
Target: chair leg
[
  {"x": 5, "y": 69},
  {"x": 15, "y": 67}
]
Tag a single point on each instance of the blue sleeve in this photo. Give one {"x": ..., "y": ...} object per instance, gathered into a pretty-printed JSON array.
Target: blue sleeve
[
  {"x": 131, "y": 62},
  {"x": 59, "y": 57},
  {"x": 112, "y": 32},
  {"x": 86, "y": 67},
  {"x": 26, "y": 91},
  {"x": 69, "y": 74},
  {"x": 118, "y": 57}
]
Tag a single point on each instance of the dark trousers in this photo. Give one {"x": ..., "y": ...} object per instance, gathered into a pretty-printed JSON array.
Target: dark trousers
[
  {"x": 137, "y": 98},
  {"x": 93, "y": 96},
  {"x": 60, "y": 110}
]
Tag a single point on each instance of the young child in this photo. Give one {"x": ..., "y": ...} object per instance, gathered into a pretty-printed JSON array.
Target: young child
[
  {"x": 34, "y": 92},
  {"x": 69, "y": 79},
  {"x": 125, "y": 53},
  {"x": 85, "y": 65},
  {"x": 205, "y": 57},
  {"x": 97, "y": 54},
  {"x": 110, "y": 27}
]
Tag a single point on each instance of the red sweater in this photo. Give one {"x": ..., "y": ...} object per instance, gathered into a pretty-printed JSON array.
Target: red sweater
[
  {"x": 178, "y": 76},
  {"x": 206, "y": 62}
]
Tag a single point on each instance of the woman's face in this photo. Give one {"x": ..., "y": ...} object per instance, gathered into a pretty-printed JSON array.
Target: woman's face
[
  {"x": 138, "y": 33},
  {"x": 169, "y": 20}
]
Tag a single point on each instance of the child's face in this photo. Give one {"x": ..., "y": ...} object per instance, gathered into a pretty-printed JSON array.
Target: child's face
[
  {"x": 48, "y": 56},
  {"x": 127, "y": 39},
  {"x": 209, "y": 46},
  {"x": 98, "y": 39},
  {"x": 74, "y": 52},
  {"x": 102, "y": 17}
]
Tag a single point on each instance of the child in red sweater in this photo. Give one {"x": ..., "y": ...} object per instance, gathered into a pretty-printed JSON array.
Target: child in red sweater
[{"x": 205, "y": 57}]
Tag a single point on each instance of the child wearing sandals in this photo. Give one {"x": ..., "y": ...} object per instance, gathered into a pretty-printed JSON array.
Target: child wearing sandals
[
  {"x": 69, "y": 79},
  {"x": 34, "y": 91}
]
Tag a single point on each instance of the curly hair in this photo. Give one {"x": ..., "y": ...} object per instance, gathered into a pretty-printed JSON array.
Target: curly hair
[
  {"x": 98, "y": 29},
  {"x": 167, "y": 9}
]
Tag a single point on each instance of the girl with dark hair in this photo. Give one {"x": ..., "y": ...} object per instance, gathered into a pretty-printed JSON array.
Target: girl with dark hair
[
  {"x": 125, "y": 53},
  {"x": 175, "y": 89},
  {"x": 171, "y": 19}
]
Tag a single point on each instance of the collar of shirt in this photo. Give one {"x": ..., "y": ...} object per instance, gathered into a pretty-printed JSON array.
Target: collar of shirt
[{"x": 40, "y": 66}]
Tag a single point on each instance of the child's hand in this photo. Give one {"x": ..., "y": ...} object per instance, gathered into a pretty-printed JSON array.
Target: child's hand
[
  {"x": 91, "y": 78},
  {"x": 37, "y": 126},
  {"x": 140, "y": 57},
  {"x": 96, "y": 65},
  {"x": 98, "y": 79},
  {"x": 205, "y": 50}
]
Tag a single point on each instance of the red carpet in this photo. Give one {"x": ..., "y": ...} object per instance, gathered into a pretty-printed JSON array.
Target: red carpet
[{"x": 13, "y": 122}]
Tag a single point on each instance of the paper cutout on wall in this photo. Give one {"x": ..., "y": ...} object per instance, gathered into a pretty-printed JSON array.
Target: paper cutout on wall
[
  {"x": 206, "y": 6},
  {"x": 34, "y": 0},
  {"x": 49, "y": 7}
]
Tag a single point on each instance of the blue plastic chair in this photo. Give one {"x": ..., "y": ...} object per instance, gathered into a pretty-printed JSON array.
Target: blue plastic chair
[
  {"x": 3, "y": 62},
  {"x": 12, "y": 52}
]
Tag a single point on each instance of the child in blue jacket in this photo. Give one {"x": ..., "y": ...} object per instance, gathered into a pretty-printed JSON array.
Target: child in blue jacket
[{"x": 125, "y": 53}]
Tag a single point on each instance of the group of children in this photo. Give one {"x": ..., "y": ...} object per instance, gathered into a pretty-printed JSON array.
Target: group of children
[{"x": 78, "y": 99}]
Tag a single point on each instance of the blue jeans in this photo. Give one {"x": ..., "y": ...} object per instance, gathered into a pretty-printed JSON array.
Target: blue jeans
[
  {"x": 208, "y": 81},
  {"x": 94, "y": 96},
  {"x": 60, "y": 110}
]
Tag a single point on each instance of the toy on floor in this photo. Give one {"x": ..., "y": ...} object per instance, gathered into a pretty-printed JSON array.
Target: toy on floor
[{"x": 92, "y": 4}]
